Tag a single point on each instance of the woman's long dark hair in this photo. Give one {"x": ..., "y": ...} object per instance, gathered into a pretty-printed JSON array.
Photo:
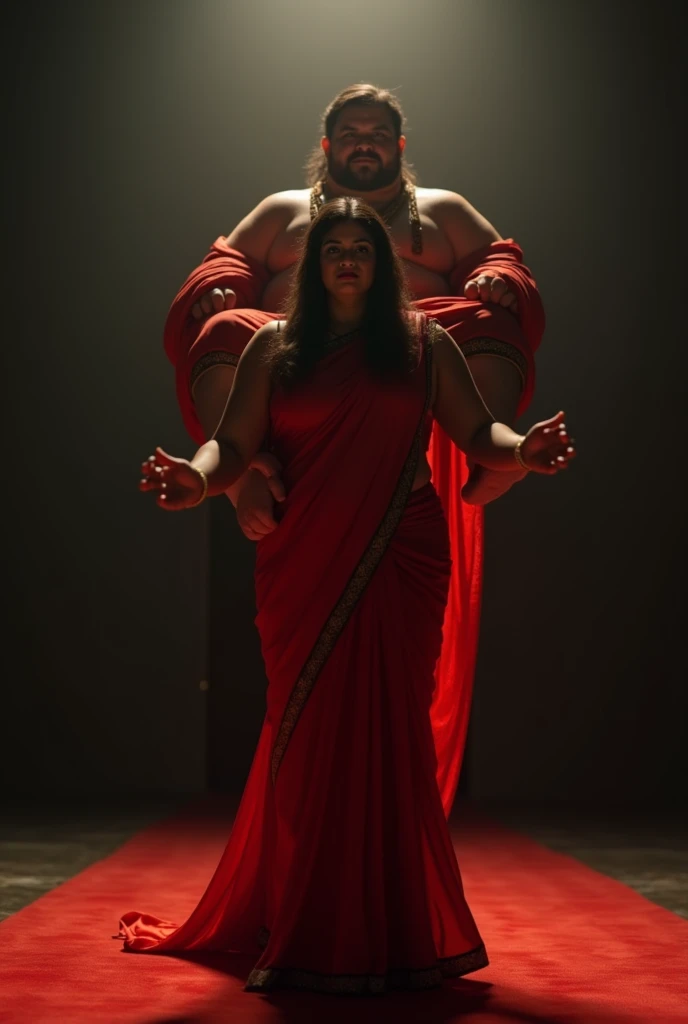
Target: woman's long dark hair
[{"x": 391, "y": 342}]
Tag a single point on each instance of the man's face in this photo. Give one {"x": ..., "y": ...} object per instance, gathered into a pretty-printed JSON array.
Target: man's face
[{"x": 364, "y": 152}]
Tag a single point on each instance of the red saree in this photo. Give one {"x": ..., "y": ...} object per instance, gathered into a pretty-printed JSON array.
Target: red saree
[
  {"x": 475, "y": 326},
  {"x": 340, "y": 863}
]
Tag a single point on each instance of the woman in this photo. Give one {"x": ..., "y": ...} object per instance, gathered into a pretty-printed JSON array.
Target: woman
[{"x": 340, "y": 863}]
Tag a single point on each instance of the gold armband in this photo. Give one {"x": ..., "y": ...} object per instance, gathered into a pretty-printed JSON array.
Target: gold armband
[
  {"x": 204, "y": 495},
  {"x": 519, "y": 457}
]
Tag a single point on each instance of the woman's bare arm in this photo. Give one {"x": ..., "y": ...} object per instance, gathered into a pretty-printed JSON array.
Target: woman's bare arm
[
  {"x": 461, "y": 412},
  {"x": 244, "y": 423}
]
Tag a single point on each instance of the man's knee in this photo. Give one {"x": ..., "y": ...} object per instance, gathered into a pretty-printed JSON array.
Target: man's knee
[{"x": 224, "y": 329}]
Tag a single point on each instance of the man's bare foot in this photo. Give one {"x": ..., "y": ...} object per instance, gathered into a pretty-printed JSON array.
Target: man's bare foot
[{"x": 484, "y": 485}]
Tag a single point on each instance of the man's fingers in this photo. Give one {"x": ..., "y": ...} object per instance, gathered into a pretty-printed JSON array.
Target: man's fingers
[
  {"x": 484, "y": 287},
  {"x": 276, "y": 487},
  {"x": 249, "y": 534},
  {"x": 252, "y": 524},
  {"x": 262, "y": 519},
  {"x": 497, "y": 289},
  {"x": 255, "y": 529},
  {"x": 491, "y": 289},
  {"x": 214, "y": 301},
  {"x": 266, "y": 464}
]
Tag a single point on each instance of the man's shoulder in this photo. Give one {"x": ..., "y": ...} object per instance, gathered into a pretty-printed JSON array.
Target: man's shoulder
[
  {"x": 439, "y": 197},
  {"x": 287, "y": 199},
  {"x": 465, "y": 226}
]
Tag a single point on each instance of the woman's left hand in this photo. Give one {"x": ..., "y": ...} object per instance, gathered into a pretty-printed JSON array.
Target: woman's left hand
[
  {"x": 177, "y": 483},
  {"x": 547, "y": 447}
]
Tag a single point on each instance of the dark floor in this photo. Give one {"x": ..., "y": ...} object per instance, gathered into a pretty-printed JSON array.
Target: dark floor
[
  {"x": 647, "y": 852},
  {"x": 41, "y": 847}
]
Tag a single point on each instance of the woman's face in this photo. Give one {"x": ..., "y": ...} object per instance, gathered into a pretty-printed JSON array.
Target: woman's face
[{"x": 347, "y": 259}]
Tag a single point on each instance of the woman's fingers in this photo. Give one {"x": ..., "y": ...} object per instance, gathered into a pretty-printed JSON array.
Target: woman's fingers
[
  {"x": 559, "y": 459},
  {"x": 165, "y": 460}
]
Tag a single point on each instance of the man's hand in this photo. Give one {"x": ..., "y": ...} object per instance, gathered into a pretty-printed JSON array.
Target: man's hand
[
  {"x": 255, "y": 504},
  {"x": 488, "y": 288},
  {"x": 213, "y": 302}
]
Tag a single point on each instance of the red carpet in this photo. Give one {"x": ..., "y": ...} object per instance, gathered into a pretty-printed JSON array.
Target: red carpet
[{"x": 568, "y": 945}]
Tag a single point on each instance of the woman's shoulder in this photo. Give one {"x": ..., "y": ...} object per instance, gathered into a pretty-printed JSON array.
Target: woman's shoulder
[
  {"x": 270, "y": 329},
  {"x": 262, "y": 341},
  {"x": 266, "y": 334},
  {"x": 426, "y": 328}
]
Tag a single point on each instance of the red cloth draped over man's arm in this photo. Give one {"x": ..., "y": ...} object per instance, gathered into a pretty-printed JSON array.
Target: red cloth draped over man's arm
[
  {"x": 187, "y": 340},
  {"x": 525, "y": 330},
  {"x": 223, "y": 267},
  {"x": 476, "y": 327}
]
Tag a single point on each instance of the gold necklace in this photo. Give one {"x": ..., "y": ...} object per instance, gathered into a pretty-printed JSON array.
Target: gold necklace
[
  {"x": 333, "y": 336},
  {"x": 388, "y": 212},
  {"x": 334, "y": 341}
]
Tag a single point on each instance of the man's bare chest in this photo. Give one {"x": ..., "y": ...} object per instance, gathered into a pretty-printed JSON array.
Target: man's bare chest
[{"x": 437, "y": 255}]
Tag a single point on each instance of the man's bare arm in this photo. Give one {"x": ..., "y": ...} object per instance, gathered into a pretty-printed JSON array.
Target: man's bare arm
[
  {"x": 465, "y": 228},
  {"x": 255, "y": 235},
  {"x": 251, "y": 495}
]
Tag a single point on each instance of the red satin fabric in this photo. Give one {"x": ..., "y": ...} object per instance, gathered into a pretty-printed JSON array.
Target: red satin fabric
[
  {"x": 340, "y": 856},
  {"x": 186, "y": 342},
  {"x": 466, "y": 320}
]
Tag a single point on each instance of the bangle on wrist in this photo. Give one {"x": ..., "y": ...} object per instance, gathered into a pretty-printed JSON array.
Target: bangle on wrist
[
  {"x": 204, "y": 493},
  {"x": 518, "y": 455}
]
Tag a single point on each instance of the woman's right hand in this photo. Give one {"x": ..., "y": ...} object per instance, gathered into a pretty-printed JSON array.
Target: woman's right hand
[
  {"x": 547, "y": 447},
  {"x": 177, "y": 484}
]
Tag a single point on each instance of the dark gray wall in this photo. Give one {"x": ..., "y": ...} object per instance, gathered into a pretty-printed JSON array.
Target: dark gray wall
[{"x": 138, "y": 133}]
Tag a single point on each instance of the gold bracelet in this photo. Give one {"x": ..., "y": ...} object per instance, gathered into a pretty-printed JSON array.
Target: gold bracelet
[
  {"x": 204, "y": 495},
  {"x": 519, "y": 457}
]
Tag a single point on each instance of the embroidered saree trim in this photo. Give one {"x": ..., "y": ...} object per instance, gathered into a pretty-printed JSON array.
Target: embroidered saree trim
[
  {"x": 434, "y": 330},
  {"x": 208, "y": 361},
  {"x": 493, "y": 347},
  {"x": 340, "y": 340},
  {"x": 368, "y": 984},
  {"x": 357, "y": 584}
]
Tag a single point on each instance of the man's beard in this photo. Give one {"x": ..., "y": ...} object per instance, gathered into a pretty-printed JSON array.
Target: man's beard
[{"x": 365, "y": 179}]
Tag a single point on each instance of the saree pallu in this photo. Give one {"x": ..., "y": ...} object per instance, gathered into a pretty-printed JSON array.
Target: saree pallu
[{"x": 340, "y": 865}]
